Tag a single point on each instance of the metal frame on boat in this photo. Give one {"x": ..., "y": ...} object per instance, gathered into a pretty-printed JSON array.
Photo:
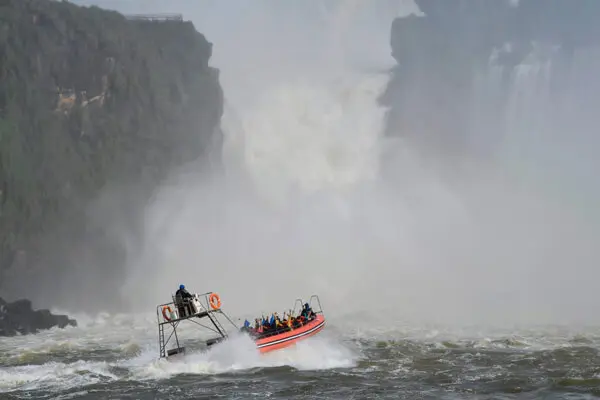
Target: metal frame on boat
[
  {"x": 300, "y": 301},
  {"x": 208, "y": 306},
  {"x": 193, "y": 310}
]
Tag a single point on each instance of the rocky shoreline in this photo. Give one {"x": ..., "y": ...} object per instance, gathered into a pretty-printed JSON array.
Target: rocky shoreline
[{"x": 19, "y": 318}]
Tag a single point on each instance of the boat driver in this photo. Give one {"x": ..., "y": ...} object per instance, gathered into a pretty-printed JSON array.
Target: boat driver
[
  {"x": 182, "y": 297},
  {"x": 182, "y": 292}
]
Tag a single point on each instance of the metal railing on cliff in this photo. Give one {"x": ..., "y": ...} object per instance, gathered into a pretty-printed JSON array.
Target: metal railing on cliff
[{"x": 155, "y": 17}]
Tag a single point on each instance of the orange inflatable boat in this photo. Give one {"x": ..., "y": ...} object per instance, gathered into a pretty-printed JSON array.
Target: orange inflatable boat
[
  {"x": 310, "y": 323},
  {"x": 278, "y": 340}
]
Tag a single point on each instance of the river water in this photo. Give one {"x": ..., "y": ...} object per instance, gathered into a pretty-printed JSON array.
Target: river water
[{"x": 116, "y": 357}]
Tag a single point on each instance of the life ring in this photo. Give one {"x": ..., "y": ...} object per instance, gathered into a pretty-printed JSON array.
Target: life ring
[
  {"x": 215, "y": 301},
  {"x": 164, "y": 312}
]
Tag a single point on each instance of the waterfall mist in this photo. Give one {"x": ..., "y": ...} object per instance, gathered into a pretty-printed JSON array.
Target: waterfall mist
[{"x": 500, "y": 230}]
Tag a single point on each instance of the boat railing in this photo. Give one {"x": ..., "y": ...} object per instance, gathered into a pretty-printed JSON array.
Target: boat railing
[
  {"x": 155, "y": 17},
  {"x": 299, "y": 302},
  {"x": 315, "y": 297},
  {"x": 192, "y": 309}
]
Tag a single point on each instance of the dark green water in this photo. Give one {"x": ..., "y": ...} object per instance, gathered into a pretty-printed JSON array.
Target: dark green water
[{"x": 116, "y": 359}]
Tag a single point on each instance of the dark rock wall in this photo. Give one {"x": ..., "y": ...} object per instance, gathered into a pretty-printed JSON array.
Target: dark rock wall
[
  {"x": 19, "y": 317},
  {"x": 432, "y": 94},
  {"x": 95, "y": 110}
]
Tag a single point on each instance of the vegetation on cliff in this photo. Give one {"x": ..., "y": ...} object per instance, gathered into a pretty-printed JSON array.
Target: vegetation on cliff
[{"x": 90, "y": 100}]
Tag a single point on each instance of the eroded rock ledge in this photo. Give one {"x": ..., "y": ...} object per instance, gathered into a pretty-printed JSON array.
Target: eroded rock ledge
[{"x": 19, "y": 317}]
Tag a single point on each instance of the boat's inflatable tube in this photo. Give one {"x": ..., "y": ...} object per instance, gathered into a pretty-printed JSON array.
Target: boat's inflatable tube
[{"x": 287, "y": 338}]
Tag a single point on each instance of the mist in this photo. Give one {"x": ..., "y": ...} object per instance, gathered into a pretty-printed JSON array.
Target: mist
[{"x": 305, "y": 205}]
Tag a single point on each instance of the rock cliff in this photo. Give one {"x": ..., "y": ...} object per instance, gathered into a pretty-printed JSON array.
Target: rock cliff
[
  {"x": 441, "y": 55},
  {"x": 19, "y": 317},
  {"x": 95, "y": 110}
]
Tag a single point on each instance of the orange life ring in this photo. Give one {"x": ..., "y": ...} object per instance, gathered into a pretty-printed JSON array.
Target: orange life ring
[
  {"x": 164, "y": 312},
  {"x": 215, "y": 301}
]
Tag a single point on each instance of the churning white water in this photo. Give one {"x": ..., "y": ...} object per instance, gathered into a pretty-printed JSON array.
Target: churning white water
[{"x": 123, "y": 348}]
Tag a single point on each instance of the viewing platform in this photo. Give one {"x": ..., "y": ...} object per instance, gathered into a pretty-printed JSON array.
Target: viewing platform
[{"x": 155, "y": 17}]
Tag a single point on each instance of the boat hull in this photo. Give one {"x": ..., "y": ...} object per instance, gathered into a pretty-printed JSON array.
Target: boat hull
[{"x": 290, "y": 338}]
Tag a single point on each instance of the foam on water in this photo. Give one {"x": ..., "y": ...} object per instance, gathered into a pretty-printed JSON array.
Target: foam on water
[
  {"x": 240, "y": 353},
  {"x": 118, "y": 343},
  {"x": 54, "y": 376},
  {"x": 123, "y": 348},
  {"x": 105, "y": 332}
]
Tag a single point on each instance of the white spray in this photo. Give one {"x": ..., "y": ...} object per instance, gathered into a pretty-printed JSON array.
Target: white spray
[{"x": 304, "y": 209}]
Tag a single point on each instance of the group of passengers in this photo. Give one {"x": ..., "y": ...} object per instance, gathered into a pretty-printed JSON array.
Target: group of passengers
[{"x": 266, "y": 325}]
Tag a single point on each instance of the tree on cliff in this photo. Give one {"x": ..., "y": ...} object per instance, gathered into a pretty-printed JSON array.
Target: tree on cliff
[{"x": 90, "y": 100}]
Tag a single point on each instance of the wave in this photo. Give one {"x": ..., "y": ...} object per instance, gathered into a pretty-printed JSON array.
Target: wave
[
  {"x": 237, "y": 353},
  {"x": 104, "y": 351}
]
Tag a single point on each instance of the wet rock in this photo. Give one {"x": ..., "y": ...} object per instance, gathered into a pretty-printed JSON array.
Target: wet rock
[
  {"x": 19, "y": 317},
  {"x": 444, "y": 55},
  {"x": 121, "y": 104}
]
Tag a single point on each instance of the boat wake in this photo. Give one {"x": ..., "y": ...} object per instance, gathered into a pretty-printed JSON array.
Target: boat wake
[
  {"x": 120, "y": 351},
  {"x": 89, "y": 358},
  {"x": 239, "y": 353}
]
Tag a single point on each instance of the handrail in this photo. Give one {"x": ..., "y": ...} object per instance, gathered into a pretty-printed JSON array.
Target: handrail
[
  {"x": 314, "y": 296},
  {"x": 204, "y": 309},
  {"x": 318, "y": 301},
  {"x": 201, "y": 308},
  {"x": 155, "y": 17},
  {"x": 298, "y": 300}
]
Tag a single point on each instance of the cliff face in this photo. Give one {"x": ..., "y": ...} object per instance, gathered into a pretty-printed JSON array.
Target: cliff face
[
  {"x": 95, "y": 110},
  {"x": 447, "y": 57}
]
